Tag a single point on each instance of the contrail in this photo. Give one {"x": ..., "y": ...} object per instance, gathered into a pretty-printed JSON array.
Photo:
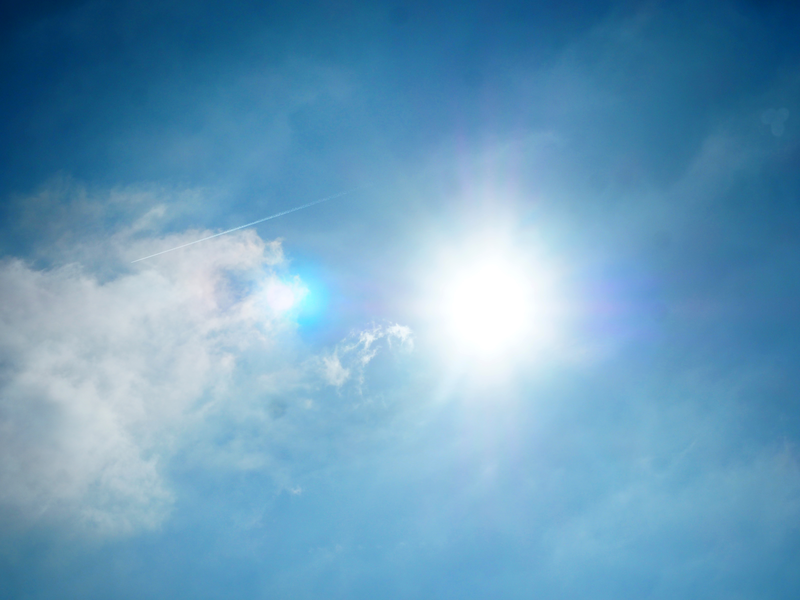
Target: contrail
[{"x": 275, "y": 216}]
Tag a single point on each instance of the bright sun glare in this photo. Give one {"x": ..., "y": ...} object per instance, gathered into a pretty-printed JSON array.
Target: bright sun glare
[{"x": 488, "y": 307}]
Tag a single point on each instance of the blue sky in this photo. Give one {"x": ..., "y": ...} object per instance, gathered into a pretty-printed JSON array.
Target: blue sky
[{"x": 547, "y": 347}]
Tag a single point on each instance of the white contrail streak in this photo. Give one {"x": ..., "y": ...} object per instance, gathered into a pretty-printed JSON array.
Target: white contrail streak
[{"x": 275, "y": 216}]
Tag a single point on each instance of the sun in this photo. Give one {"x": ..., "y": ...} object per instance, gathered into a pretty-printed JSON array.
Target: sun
[
  {"x": 489, "y": 307},
  {"x": 485, "y": 307},
  {"x": 493, "y": 302}
]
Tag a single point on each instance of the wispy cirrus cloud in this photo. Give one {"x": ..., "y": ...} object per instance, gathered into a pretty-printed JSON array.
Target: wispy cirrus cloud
[{"x": 350, "y": 358}]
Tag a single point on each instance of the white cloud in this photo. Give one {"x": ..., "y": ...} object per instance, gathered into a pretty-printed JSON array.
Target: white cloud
[
  {"x": 334, "y": 373},
  {"x": 96, "y": 375},
  {"x": 107, "y": 368},
  {"x": 351, "y": 357}
]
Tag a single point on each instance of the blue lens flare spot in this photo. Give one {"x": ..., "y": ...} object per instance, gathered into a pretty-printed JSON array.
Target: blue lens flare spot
[{"x": 313, "y": 306}]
